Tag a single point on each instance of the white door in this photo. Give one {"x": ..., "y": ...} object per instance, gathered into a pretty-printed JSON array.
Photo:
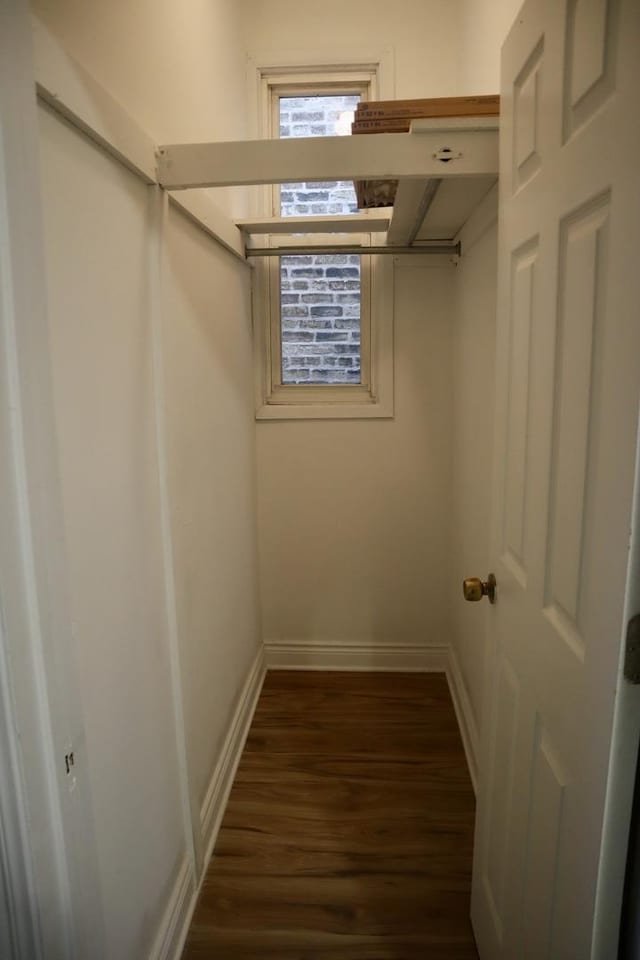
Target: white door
[{"x": 568, "y": 384}]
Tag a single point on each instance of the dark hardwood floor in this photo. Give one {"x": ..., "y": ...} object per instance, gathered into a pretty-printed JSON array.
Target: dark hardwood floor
[{"x": 349, "y": 829}]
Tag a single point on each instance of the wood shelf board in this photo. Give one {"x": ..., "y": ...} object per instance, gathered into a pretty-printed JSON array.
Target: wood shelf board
[
  {"x": 451, "y": 124},
  {"x": 375, "y": 157},
  {"x": 354, "y": 223},
  {"x": 432, "y": 209},
  {"x": 412, "y": 200},
  {"x": 452, "y": 206}
]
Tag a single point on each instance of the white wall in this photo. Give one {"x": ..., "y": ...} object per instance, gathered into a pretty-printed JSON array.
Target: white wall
[
  {"x": 178, "y": 69},
  {"x": 354, "y": 515},
  {"x": 483, "y": 26},
  {"x": 174, "y": 73},
  {"x": 422, "y": 35}
]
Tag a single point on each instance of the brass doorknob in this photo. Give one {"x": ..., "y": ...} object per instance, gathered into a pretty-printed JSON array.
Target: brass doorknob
[{"x": 475, "y": 589}]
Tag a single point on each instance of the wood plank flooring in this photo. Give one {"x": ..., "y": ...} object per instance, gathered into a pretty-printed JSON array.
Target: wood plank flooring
[{"x": 349, "y": 829}]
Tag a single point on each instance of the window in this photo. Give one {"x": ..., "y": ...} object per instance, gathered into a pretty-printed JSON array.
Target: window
[
  {"x": 320, "y": 318},
  {"x": 324, "y": 320},
  {"x": 320, "y": 294}
]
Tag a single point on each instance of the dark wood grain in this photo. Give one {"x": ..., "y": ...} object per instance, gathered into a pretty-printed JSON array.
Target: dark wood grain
[{"x": 349, "y": 829}]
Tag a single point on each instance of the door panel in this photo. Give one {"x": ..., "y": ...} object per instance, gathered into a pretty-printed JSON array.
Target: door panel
[
  {"x": 526, "y": 118},
  {"x": 494, "y": 880},
  {"x": 590, "y": 59},
  {"x": 548, "y": 786},
  {"x": 583, "y": 254},
  {"x": 523, "y": 284},
  {"x": 567, "y": 390}
]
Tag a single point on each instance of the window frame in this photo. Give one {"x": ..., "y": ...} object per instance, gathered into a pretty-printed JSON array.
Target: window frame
[
  {"x": 373, "y": 396},
  {"x": 320, "y": 392},
  {"x": 308, "y": 88}
]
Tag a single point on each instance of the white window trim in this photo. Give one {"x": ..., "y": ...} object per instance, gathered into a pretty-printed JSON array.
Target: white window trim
[
  {"x": 283, "y": 392},
  {"x": 305, "y": 85},
  {"x": 371, "y": 399},
  {"x": 263, "y": 68},
  {"x": 276, "y": 401}
]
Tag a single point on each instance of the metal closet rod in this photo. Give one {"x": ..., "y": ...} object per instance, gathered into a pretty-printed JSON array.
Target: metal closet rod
[{"x": 431, "y": 248}]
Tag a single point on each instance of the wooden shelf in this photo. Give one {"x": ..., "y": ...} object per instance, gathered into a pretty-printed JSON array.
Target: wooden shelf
[
  {"x": 368, "y": 222},
  {"x": 379, "y": 156},
  {"x": 444, "y": 168},
  {"x": 436, "y": 208}
]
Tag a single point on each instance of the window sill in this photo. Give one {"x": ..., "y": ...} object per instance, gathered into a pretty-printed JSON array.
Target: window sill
[{"x": 325, "y": 410}]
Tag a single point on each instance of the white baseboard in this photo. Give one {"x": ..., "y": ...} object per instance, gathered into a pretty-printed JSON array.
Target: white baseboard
[
  {"x": 464, "y": 713},
  {"x": 217, "y": 793},
  {"x": 327, "y": 655},
  {"x": 173, "y": 931},
  {"x": 175, "y": 922}
]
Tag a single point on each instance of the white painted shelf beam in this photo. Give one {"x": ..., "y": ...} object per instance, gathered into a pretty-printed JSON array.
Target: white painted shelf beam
[
  {"x": 379, "y": 156},
  {"x": 374, "y": 222},
  {"x": 72, "y": 92},
  {"x": 438, "y": 207},
  {"x": 413, "y": 199}
]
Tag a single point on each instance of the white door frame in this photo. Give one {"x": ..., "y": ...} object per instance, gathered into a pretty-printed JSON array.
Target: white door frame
[
  {"x": 622, "y": 765},
  {"x": 19, "y": 922},
  {"x": 51, "y": 894}
]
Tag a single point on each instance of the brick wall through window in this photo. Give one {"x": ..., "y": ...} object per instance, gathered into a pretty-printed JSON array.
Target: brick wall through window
[{"x": 320, "y": 293}]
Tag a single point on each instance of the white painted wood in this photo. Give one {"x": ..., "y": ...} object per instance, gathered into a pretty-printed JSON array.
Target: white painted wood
[
  {"x": 412, "y": 201},
  {"x": 452, "y": 206},
  {"x": 436, "y": 209},
  {"x": 203, "y": 211},
  {"x": 221, "y": 782},
  {"x": 157, "y": 269},
  {"x": 481, "y": 220},
  {"x": 374, "y": 222},
  {"x": 210, "y": 437},
  {"x": 589, "y": 76},
  {"x": 55, "y": 888},
  {"x": 19, "y": 923},
  {"x": 566, "y": 424},
  {"x": 71, "y": 91},
  {"x": 376, "y": 156},
  {"x": 174, "y": 927},
  {"x": 171, "y": 936},
  {"x": 620, "y": 799},
  {"x": 450, "y": 124},
  {"x": 295, "y": 247},
  {"x": 464, "y": 713},
  {"x": 331, "y": 655}
]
